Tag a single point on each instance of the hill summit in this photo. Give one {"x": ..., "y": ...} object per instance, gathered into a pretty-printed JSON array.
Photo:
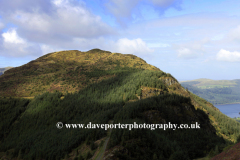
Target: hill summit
[{"x": 66, "y": 71}]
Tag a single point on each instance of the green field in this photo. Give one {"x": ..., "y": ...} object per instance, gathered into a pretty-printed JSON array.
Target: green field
[
  {"x": 213, "y": 86},
  {"x": 212, "y": 83}
]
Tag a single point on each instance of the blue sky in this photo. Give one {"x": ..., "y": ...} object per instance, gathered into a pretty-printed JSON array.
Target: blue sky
[{"x": 188, "y": 38}]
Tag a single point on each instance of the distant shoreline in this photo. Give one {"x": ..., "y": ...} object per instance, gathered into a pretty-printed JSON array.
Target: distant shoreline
[{"x": 227, "y": 103}]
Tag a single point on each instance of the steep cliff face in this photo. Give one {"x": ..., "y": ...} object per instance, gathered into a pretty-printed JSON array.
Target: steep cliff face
[{"x": 169, "y": 81}]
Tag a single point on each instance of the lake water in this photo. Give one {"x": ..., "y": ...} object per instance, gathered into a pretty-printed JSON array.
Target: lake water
[{"x": 231, "y": 110}]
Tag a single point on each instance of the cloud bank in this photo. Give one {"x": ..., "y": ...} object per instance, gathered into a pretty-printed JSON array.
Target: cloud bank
[
  {"x": 13, "y": 45},
  {"x": 227, "y": 56}
]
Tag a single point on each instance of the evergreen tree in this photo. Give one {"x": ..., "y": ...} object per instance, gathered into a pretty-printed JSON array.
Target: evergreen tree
[
  {"x": 155, "y": 156},
  {"x": 20, "y": 155},
  {"x": 80, "y": 157},
  {"x": 216, "y": 151}
]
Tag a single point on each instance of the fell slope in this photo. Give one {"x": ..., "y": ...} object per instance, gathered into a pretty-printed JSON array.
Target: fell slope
[
  {"x": 65, "y": 71},
  {"x": 117, "y": 87}
]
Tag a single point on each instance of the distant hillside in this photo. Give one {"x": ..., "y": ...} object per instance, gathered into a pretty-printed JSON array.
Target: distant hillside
[
  {"x": 2, "y": 70},
  {"x": 215, "y": 91},
  {"x": 101, "y": 87},
  {"x": 237, "y": 119}
]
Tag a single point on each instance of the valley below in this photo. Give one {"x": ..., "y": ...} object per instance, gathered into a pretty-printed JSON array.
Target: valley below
[{"x": 216, "y": 92}]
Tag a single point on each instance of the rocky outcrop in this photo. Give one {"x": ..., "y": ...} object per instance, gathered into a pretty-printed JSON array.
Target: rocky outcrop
[{"x": 169, "y": 80}]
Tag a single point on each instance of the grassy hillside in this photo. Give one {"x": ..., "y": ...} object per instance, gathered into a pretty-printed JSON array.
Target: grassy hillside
[
  {"x": 65, "y": 71},
  {"x": 2, "y": 70},
  {"x": 123, "y": 90},
  {"x": 216, "y": 92}
]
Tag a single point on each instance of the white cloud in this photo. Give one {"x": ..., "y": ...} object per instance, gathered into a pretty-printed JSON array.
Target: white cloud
[
  {"x": 217, "y": 37},
  {"x": 193, "y": 27},
  {"x": 49, "y": 49},
  {"x": 123, "y": 45},
  {"x": 191, "y": 49},
  {"x": 11, "y": 37},
  {"x": 125, "y": 10},
  {"x": 234, "y": 34},
  {"x": 32, "y": 21},
  {"x": 68, "y": 21},
  {"x": 224, "y": 55},
  {"x": 7, "y": 7},
  {"x": 229, "y": 38},
  {"x": 191, "y": 20},
  {"x": 135, "y": 46},
  {"x": 1, "y": 25},
  {"x": 57, "y": 2},
  {"x": 188, "y": 53},
  {"x": 184, "y": 52},
  {"x": 15, "y": 46},
  {"x": 121, "y": 9},
  {"x": 158, "y": 45}
]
